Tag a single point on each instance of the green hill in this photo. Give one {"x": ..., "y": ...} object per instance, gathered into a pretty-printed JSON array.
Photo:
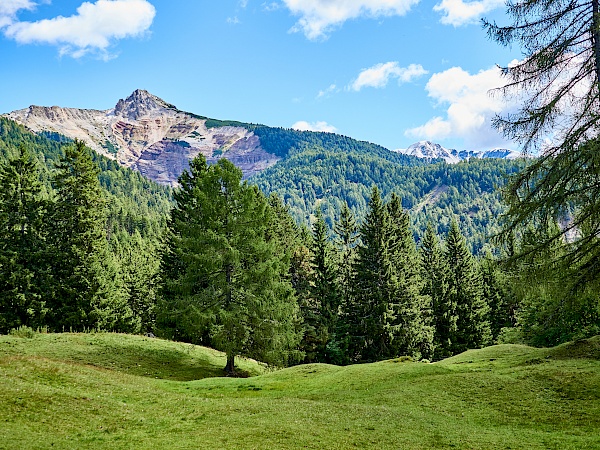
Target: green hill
[{"x": 119, "y": 391}]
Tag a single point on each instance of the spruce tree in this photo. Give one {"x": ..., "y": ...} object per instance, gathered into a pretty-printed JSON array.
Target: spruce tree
[
  {"x": 84, "y": 286},
  {"x": 325, "y": 296},
  {"x": 371, "y": 315},
  {"x": 413, "y": 334},
  {"x": 465, "y": 294},
  {"x": 436, "y": 285},
  {"x": 346, "y": 239},
  {"x": 225, "y": 276},
  {"x": 22, "y": 242}
]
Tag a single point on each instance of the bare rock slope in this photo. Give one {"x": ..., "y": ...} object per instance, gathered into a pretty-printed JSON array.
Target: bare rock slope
[{"x": 146, "y": 133}]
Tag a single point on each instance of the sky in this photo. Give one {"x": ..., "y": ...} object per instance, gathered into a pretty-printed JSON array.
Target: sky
[{"x": 392, "y": 72}]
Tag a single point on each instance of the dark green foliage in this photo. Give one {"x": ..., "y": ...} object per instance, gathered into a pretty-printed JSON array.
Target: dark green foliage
[
  {"x": 224, "y": 273},
  {"x": 498, "y": 296},
  {"x": 553, "y": 306},
  {"x": 321, "y": 343},
  {"x": 436, "y": 285},
  {"x": 387, "y": 314},
  {"x": 369, "y": 332},
  {"x": 558, "y": 84},
  {"x": 22, "y": 243},
  {"x": 413, "y": 322},
  {"x": 331, "y": 177},
  {"x": 83, "y": 289},
  {"x": 136, "y": 210},
  {"x": 465, "y": 296}
]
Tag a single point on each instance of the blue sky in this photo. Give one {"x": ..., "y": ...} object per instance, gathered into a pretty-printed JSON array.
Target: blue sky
[{"x": 387, "y": 71}]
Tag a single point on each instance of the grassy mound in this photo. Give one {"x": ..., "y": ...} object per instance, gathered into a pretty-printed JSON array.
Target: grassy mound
[{"x": 116, "y": 391}]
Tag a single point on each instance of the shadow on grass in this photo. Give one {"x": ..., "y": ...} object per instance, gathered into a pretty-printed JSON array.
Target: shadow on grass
[{"x": 185, "y": 363}]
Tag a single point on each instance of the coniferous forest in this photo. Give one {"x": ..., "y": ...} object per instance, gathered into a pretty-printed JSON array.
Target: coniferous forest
[{"x": 87, "y": 245}]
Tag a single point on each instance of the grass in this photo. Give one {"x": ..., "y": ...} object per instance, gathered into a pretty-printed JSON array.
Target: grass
[{"x": 118, "y": 391}]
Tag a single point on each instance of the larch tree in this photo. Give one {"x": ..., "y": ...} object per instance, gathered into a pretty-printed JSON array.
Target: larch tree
[
  {"x": 225, "y": 278},
  {"x": 557, "y": 85}
]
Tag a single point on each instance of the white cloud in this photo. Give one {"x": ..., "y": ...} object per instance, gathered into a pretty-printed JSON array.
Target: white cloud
[
  {"x": 459, "y": 12},
  {"x": 9, "y": 9},
  {"x": 319, "y": 17},
  {"x": 470, "y": 107},
  {"x": 379, "y": 75},
  {"x": 315, "y": 126},
  {"x": 327, "y": 92},
  {"x": 233, "y": 20},
  {"x": 92, "y": 30}
]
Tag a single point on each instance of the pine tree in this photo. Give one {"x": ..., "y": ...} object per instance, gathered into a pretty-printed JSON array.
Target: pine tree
[
  {"x": 22, "y": 242},
  {"x": 84, "y": 286},
  {"x": 435, "y": 276},
  {"x": 465, "y": 294},
  {"x": 225, "y": 278},
  {"x": 413, "y": 333}
]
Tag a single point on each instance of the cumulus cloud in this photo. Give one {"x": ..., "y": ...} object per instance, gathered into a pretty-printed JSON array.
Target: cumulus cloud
[
  {"x": 9, "y": 9},
  {"x": 319, "y": 17},
  {"x": 459, "y": 12},
  {"x": 315, "y": 126},
  {"x": 470, "y": 107},
  {"x": 379, "y": 75},
  {"x": 92, "y": 30}
]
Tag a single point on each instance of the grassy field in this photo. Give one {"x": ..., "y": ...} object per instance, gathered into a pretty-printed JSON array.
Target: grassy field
[{"x": 118, "y": 391}]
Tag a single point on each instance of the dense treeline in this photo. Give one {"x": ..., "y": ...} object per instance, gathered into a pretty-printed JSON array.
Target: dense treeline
[
  {"x": 130, "y": 216},
  {"x": 315, "y": 178},
  {"x": 85, "y": 244}
]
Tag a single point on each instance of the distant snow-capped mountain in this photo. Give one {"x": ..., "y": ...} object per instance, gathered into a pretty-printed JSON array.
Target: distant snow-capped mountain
[{"x": 430, "y": 151}]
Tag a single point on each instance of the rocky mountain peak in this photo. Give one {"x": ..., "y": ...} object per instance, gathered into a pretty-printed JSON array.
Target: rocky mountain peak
[{"x": 141, "y": 103}]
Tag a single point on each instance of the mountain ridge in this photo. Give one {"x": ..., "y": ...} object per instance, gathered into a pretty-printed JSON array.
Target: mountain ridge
[
  {"x": 154, "y": 137},
  {"x": 432, "y": 151}
]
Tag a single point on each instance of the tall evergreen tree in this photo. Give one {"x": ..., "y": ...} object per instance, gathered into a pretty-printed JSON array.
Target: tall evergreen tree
[
  {"x": 413, "y": 316},
  {"x": 84, "y": 286},
  {"x": 465, "y": 294},
  {"x": 497, "y": 296},
  {"x": 558, "y": 85},
  {"x": 22, "y": 241},
  {"x": 224, "y": 274},
  {"x": 324, "y": 294},
  {"x": 435, "y": 276},
  {"x": 371, "y": 315},
  {"x": 346, "y": 239}
]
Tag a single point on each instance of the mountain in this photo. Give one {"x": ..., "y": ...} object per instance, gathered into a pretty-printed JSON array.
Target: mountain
[
  {"x": 431, "y": 151},
  {"x": 147, "y": 134}
]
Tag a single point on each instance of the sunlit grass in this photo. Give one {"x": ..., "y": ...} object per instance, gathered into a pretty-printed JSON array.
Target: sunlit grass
[{"x": 119, "y": 391}]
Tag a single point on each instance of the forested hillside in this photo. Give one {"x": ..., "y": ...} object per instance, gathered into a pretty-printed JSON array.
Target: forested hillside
[
  {"x": 135, "y": 204},
  {"x": 317, "y": 177}
]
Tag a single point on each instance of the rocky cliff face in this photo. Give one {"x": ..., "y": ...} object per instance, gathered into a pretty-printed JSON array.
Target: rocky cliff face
[{"x": 148, "y": 134}]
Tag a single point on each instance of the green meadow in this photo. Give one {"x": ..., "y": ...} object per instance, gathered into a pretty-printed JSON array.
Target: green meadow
[{"x": 103, "y": 390}]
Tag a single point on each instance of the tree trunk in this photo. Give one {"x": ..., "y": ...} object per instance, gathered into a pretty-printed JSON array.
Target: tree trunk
[
  {"x": 596, "y": 38},
  {"x": 230, "y": 367}
]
